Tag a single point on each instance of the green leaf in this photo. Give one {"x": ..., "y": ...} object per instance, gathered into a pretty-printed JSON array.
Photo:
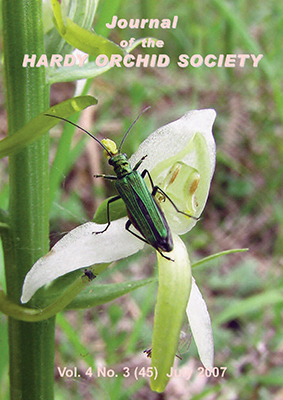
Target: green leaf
[
  {"x": 216, "y": 255},
  {"x": 249, "y": 305},
  {"x": 117, "y": 210},
  {"x": 273, "y": 378},
  {"x": 230, "y": 13},
  {"x": 39, "y": 125},
  {"x": 81, "y": 12},
  {"x": 107, "y": 10},
  {"x": 81, "y": 38},
  {"x": 89, "y": 42},
  {"x": 74, "y": 73},
  {"x": 75, "y": 340},
  {"x": 96, "y": 294}
]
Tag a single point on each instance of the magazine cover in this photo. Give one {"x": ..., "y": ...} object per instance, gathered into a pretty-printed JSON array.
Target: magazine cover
[{"x": 140, "y": 200}]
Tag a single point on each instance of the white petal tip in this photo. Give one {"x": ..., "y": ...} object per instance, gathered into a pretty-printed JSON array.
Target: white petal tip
[{"x": 200, "y": 324}]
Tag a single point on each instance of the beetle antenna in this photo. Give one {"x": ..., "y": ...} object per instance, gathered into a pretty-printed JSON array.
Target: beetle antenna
[
  {"x": 133, "y": 123},
  {"x": 82, "y": 129}
]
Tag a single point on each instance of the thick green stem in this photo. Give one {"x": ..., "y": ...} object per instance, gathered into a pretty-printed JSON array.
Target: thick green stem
[{"x": 31, "y": 344}]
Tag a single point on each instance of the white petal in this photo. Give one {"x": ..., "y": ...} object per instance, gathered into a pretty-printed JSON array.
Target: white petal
[
  {"x": 200, "y": 324},
  {"x": 189, "y": 140},
  {"x": 170, "y": 139},
  {"x": 81, "y": 248}
]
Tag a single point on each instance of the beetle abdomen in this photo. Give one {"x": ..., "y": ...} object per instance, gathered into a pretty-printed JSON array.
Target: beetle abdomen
[{"x": 143, "y": 211}]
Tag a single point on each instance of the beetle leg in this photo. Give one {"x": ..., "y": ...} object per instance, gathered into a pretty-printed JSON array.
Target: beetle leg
[
  {"x": 127, "y": 227},
  {"x": 156, "y": 189},
  {"x": 108, "y": 214},
  {"x": 110, "y": 177},
  {"x": 143, "y": 174},
  {"x": 167, "y": 258},
  {"x": 139, "y": 163}
]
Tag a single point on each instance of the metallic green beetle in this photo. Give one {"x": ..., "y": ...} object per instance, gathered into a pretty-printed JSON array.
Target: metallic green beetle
[{"x": 143, "y": 210}]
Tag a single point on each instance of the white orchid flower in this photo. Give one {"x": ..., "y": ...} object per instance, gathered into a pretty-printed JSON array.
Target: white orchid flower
[{"x": 181, "y": 161}]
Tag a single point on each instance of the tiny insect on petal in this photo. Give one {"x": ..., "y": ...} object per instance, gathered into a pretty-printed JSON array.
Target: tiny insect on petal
[
  {"x": 183, "y": 346},
  {"x": 78, "y": 249}
]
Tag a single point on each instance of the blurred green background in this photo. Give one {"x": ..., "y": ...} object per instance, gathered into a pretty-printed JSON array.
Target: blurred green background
[{"x": 243, "y": 291}]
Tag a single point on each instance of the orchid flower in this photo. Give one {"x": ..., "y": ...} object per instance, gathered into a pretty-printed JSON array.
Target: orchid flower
[{"x": 181, "y": 161}]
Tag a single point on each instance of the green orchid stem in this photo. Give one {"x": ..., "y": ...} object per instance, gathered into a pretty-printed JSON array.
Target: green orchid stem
[
  {"x": 31, "y": 346},
  {"x": 33, "y": 315}
]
